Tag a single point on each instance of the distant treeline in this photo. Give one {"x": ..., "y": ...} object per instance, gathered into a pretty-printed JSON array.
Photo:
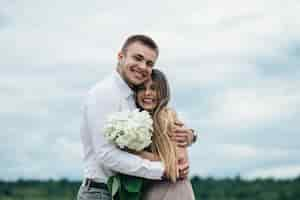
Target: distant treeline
[{"x": 204, "y": 188}]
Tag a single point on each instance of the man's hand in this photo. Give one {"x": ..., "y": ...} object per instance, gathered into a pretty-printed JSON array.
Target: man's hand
[{"x": 181, "y": 135}]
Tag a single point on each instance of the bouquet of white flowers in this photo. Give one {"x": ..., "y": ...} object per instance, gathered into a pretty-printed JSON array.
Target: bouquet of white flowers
[{"x": 129, "y": 129}]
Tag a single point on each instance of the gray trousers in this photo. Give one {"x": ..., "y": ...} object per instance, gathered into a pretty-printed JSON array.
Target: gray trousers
[{"x": 90, "y": 193}]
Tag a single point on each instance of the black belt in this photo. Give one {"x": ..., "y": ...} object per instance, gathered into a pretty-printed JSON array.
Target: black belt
[{"x": 90, "y": 183}]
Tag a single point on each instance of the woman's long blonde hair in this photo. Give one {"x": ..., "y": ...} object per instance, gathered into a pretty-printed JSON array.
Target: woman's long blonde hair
[{"x": 163, "y": 118}]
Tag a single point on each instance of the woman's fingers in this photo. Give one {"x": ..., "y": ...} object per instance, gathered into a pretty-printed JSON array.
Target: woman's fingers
[{"x": 183, "y": 170}]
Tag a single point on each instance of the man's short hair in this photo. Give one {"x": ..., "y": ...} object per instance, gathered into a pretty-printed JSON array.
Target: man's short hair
[{"x": 145, "y": 40}]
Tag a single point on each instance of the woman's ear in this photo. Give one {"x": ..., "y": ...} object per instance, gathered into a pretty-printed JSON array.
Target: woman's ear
[{"x": 120, "y": 56}]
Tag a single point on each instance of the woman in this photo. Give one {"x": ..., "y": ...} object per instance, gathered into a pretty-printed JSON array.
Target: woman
[{"x": 154, "y": 97}]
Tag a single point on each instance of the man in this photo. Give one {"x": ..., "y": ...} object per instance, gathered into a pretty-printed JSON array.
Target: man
[{"x": 102, "y": 159}]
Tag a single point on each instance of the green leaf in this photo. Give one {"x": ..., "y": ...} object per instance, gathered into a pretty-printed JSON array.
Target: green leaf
[
  {"x": 109, "y": 183},
  {"x": 125, "y": 187},
  {"x": 132, "y": 183},
  {"x": 115, "y": 185},
  {"x": 125, "y": 195},
  {"x": 132, "y": 196}
]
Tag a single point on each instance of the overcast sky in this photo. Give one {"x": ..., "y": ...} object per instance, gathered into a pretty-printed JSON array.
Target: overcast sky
[{"x": 233, "y": 68}]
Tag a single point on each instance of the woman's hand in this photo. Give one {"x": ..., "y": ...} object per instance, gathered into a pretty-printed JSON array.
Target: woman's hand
[{"x": 183, "y": 163}]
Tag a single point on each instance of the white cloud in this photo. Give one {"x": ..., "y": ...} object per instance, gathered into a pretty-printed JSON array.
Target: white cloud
[
  {"x": 210, "y": 50},
  {"x": 93, "y": 32},
  {"x": 280, "y": 172},
  {"x": 244, "y": 107},
  {"x": 238, "y": 151},
  {"x": 232, "y": 159}
]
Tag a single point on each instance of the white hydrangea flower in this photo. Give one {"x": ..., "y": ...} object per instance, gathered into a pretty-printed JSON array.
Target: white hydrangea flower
[{"x": 130, "y": 129}]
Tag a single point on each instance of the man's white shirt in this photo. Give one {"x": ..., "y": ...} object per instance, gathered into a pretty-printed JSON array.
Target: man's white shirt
[{"x": 101, "y": 158}]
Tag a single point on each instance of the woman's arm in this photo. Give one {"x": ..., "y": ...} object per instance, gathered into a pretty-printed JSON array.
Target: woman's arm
[{"x": 182, "y": 155}]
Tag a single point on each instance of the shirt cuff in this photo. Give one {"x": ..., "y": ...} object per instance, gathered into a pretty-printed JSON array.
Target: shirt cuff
[{"x": 157, "y": 170}]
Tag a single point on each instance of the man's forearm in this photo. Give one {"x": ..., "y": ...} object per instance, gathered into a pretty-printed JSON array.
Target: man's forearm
[
  {"x": 148, "y": 155},
  {"x": 127, "y": 163}
]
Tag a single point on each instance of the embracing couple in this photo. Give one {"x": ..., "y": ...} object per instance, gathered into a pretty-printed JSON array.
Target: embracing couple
[{"x": 135, "y": 84}]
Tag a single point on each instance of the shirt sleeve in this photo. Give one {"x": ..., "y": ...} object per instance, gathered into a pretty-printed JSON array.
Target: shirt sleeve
[{"x": 96, "y": 109}]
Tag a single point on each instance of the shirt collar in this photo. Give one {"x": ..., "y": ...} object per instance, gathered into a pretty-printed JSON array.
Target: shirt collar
[{"x": 125, "y": 90}]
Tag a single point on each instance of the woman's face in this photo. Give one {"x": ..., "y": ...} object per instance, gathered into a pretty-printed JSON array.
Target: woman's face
[{"x": 147, "y": 96}]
